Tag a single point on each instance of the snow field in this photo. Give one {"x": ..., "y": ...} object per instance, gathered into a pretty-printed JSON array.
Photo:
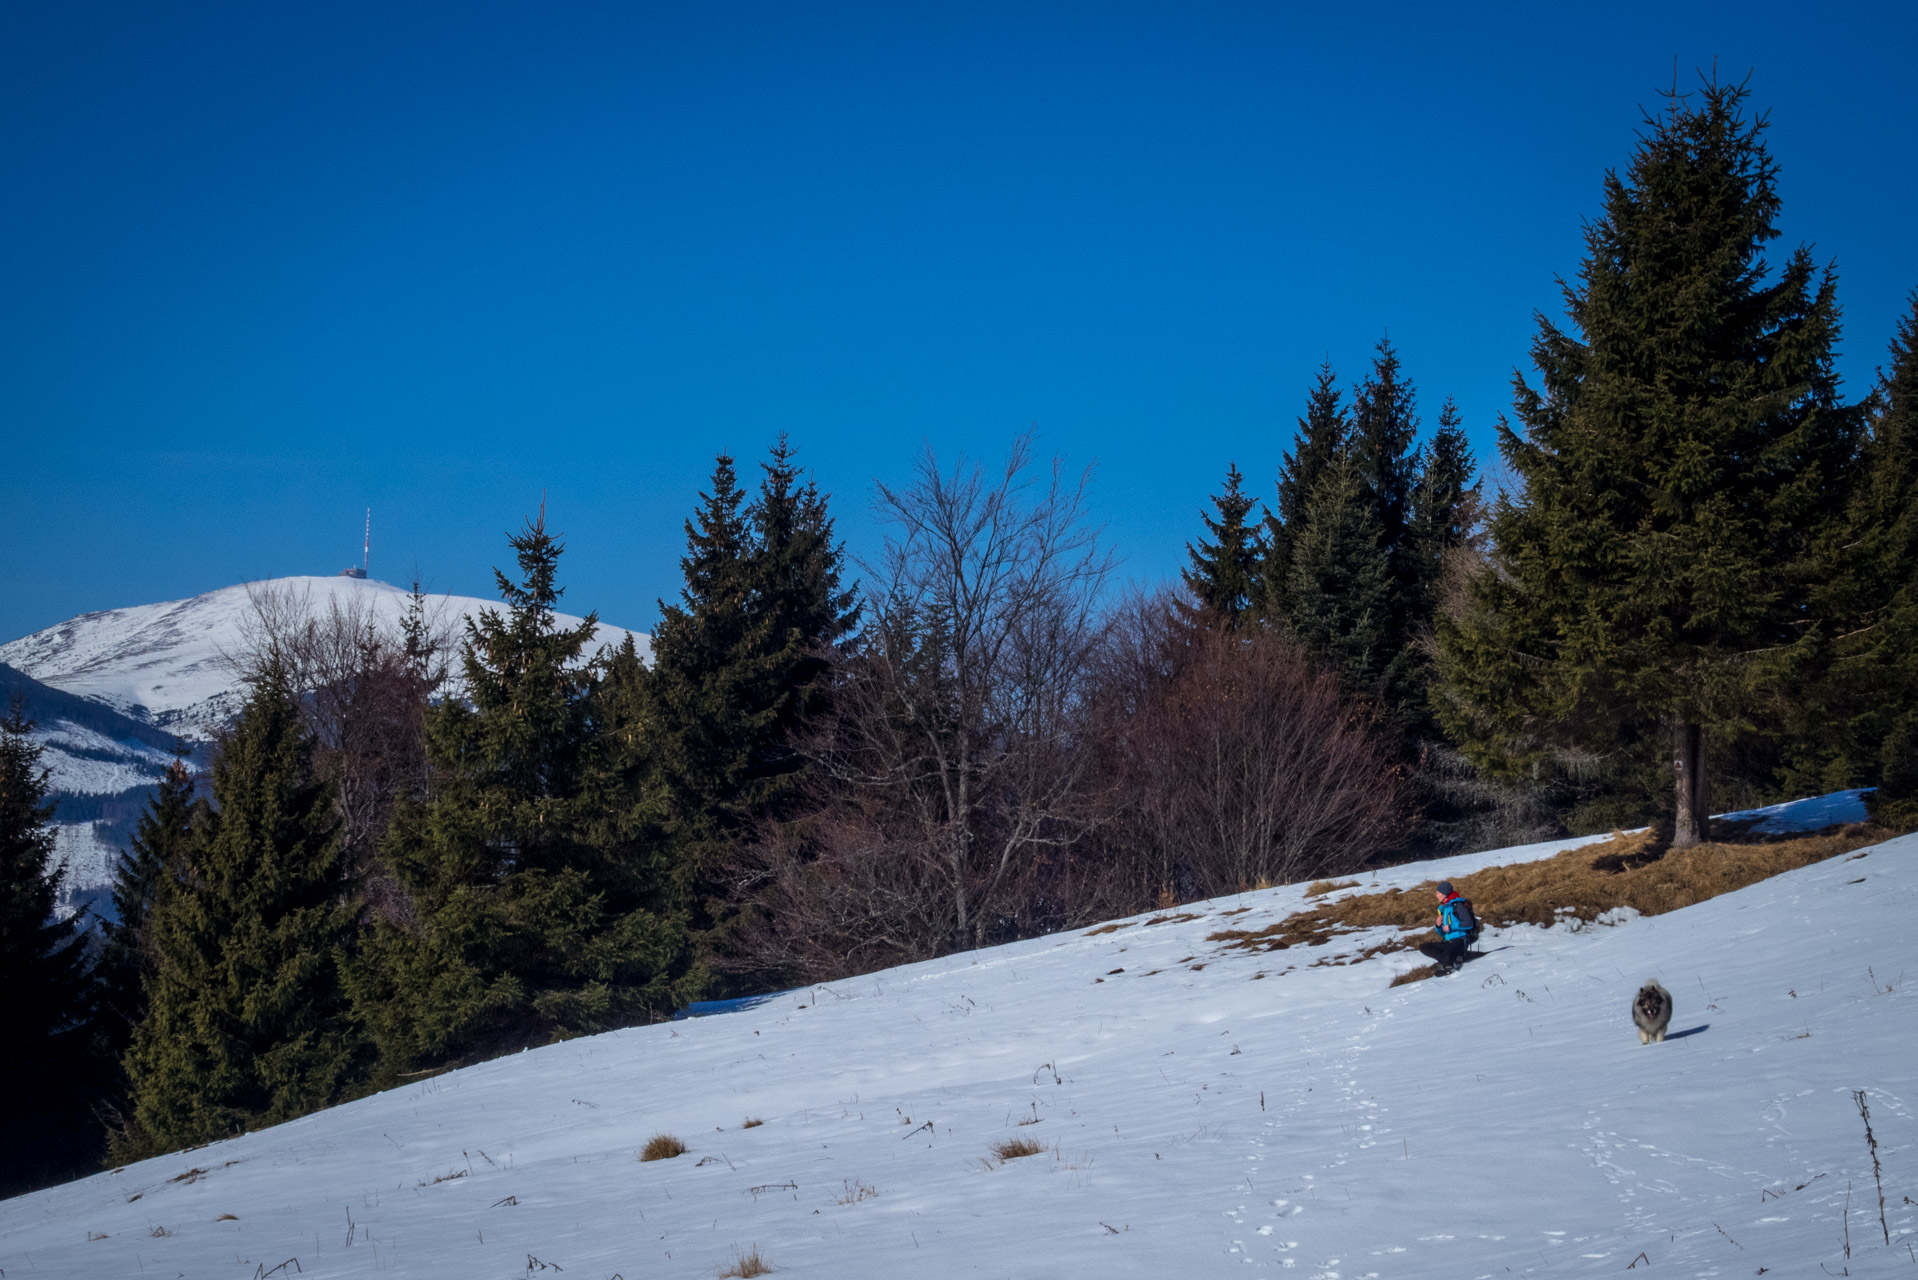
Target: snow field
[
  {"x": 83, "y": 762},
  {"x": 1198, "y": 1121}
]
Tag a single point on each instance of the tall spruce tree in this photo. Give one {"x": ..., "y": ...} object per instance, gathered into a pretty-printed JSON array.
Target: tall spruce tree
[
  {"x": 801, "y": 611},
  {"x": 1340, "y": 584},
  {"x": 46, "y": 1069},
  {"x": 1384, "y": 438},
  {"x": 1860, "y": 724},
  {"x": 739, "y": 666},
  {"x": 704, "y": 710},
  {"x": 1315, "y": 447},
  {"x": 1365, "y": 472},
  {"x": 1890, "y": 511},
  {"x": 1682, "y": 453},
  {"x": 1225, "y": 573},
  {"x": 246, "y": 1023},
  {"x": 532, "y": 914},
  {"x": 158, "y": 849},
  {"x": 1445, "y": 506}
]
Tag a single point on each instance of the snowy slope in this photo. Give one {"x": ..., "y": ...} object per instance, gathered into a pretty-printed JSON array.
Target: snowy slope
[
  {"x": 1315, "y": 1122},
  {"x": 167, "y": 663}
]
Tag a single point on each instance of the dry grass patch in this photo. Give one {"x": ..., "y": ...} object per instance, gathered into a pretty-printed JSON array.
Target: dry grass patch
[
  {"x": 1319, "y": 888},
  {"x": 1017, "y": 1148},
  {"x": 1110, "y": 928},
  {"x": 1180, "y": 918},
  {"x": 752, "y": 1122},
  {"x": 747, "y": 1265},
  {"x": 662, "y": 1146},
  {"x": 1419, "y": 974},
  {"x": 1580, "y": 884}
]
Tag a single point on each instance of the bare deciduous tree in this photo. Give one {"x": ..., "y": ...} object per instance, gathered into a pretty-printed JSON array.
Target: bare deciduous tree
[
  {"x": 1238, "y": 762},
  {"x": 364, "y": 682},
  {"x": 952, "y": 768}
]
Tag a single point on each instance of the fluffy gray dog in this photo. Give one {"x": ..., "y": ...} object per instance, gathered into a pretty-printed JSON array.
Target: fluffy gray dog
[{"x": 1652, "y": 1012}]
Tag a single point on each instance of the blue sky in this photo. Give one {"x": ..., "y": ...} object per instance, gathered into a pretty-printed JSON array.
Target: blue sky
[{"x": 267, "y": 265}]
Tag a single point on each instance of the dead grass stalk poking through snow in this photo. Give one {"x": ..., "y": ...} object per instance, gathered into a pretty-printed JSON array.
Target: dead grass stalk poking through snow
[
  {"x": 1871, "y": 1143},
  {"x": 747, "y": 1265},
  {"x": 752, "y": 1122},
  {"x": 662, "y": 1146},
  {"x": 1014, "y": 1148}
]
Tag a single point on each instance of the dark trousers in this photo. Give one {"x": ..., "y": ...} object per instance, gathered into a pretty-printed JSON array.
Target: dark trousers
[{"x": 1447, "y": 955}]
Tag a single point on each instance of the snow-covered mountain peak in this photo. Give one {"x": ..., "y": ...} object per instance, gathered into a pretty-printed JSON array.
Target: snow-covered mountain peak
[{"x": 169, "y": 664}]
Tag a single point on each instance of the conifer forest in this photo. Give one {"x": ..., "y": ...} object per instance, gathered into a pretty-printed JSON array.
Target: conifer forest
[{"x": 1687, "y": 584}]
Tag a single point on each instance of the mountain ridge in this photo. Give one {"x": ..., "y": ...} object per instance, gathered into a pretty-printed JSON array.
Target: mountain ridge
[{"x": 117, "y": 693}]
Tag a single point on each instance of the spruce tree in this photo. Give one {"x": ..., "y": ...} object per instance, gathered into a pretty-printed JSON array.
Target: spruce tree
[
  {"x": 157, "y": 850},
  {"x": 1315, "y": 447},
  {"x": 46, "y": 1069},
  {"x": 1860, "y": 722},
  {"x": 1384, "y": 435},
  {"x": 703, "y": 711},
  {"x": 1683, "y": 451},
  {"x": 1340, "y": 584},
  {"x": 531, "y": 916},
  {"x": 1445, "y": 505},
  {"x": 739, "y": 667},
  {"x": 1366, "y": 484},
  {"x": 800, "y": 611},
  {"x": 246, "y": 1022},
  {"x": 1224, "y": 577},
  {"x": 1442, "y": 506}
]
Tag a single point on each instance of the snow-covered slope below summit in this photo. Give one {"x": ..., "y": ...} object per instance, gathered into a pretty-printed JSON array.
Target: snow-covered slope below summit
[
  {"x": 1314, "y": 1121},
  {"x": 167, "y": 664},
  {"x": 115, "y": 692}
]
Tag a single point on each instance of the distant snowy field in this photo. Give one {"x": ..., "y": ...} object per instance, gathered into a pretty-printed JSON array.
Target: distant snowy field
[{"x": 1501, "y": 1122}]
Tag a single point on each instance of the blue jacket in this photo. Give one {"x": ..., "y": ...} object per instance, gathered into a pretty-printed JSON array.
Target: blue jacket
[{"x": 1449, "y": 927}]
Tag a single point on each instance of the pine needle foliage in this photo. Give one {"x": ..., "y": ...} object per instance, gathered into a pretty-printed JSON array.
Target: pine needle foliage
[
  {"x": 247, "y": 1024},
  {"x": 533, "y": 912},
  {"x": 1224, "y": 576},
  {"x": 158, "y": 848},
  {"x": 1445, "y": 505},
  {"x": 1316, "y": 445},
  {"x": 1340, "y": 583},
  {"x": 1683, "y": 449},
  {"x": 1383, "y": 440},
  {"x": 1363, "y": 519},
  {"x": 740, "y": 668},
  {"x": 1860, "y": 707},
  {"x": 44, "y": 975}
]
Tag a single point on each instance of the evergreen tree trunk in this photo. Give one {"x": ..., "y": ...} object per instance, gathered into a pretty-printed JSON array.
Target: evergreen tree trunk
[{"x": 1688, "y": 770}]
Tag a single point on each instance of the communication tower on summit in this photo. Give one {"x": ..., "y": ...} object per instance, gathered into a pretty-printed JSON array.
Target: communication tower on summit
[{"x": 366, "y": 552}]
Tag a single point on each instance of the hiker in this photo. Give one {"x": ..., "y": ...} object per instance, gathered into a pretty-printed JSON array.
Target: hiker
[{"x": 1457, "y": 927}]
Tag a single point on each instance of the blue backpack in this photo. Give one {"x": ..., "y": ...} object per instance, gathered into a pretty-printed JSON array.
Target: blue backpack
[{"x": 1463, "y": 920}]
